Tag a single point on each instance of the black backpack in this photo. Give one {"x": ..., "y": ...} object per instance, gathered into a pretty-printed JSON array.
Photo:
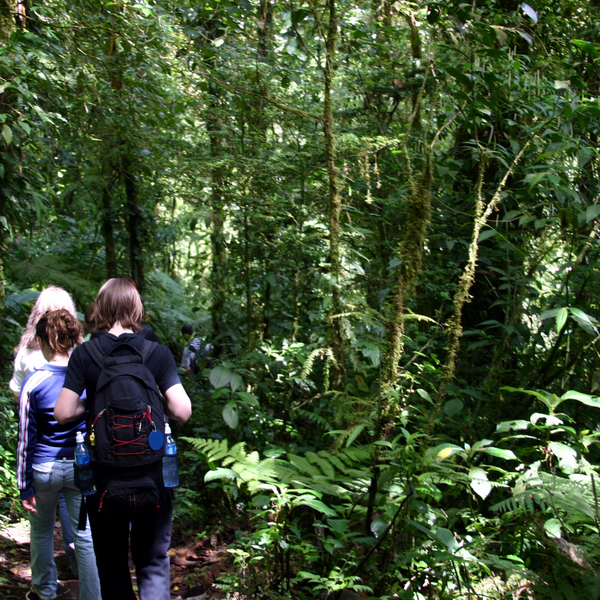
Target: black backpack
[
  {"x": 126, "y": 423},
  {"x": 126, "y": 431}
]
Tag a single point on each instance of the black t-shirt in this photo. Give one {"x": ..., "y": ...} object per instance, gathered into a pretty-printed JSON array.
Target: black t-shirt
[{"x": 83, "y": 371}]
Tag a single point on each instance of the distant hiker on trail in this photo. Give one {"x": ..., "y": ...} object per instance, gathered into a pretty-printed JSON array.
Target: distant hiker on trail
[
  {"x": 45, "y": 460},
  {"x": 196, "y": 352},
  {"x": 29, "y": 358},
  {"x": 122, "y": 373}
]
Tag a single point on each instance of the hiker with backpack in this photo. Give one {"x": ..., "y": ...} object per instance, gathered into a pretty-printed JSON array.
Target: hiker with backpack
[
  {"x": 123, "y": 375},
  {"x": 196, "y": 352},
  {"x": 46, "y": 457}
]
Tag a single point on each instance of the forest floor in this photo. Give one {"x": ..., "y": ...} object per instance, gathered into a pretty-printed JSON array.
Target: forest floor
[{"x": 195, "y": 565}]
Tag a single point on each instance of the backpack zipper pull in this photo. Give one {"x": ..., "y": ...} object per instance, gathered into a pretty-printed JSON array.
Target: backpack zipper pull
[{"x": 92, "y": 438}]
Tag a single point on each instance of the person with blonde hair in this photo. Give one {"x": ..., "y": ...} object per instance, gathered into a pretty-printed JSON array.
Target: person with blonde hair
[
  {"x": 29, "y": 358},
  {"x": 146, "y": 531},
  {"x": 46, "y": 460}
]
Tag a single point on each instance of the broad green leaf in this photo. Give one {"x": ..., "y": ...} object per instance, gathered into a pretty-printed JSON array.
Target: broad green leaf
[
  {"x": 580, "y": 397},
  {"x": 220, "y": 376},
  {"x": 537, "y": 178},
  {"x": 500, "y": 453},
  {"x": 543, "y": 396},
  {"x": 7, "y": 133},
  {"x": 317, "y": 505},
  {"x": 517, "y": 425},
  {"x": 338, "y": 525},
  {"x": 552, "y": 527},
  {"x": 378, "y": 526},
  {"x": 479, "y": 482},
  {"x": 591, "y": 49},
  {"x": 566, "y": 455},
  {"x": 424, "y": 395},
  {"x": 585, "y": 321},
  {"x": 592, "y": 212},
  {"x": 453, "y": 407},
  {"x": 230, "y": 415},
  {"x": 248, "y": 398},
  {"x": 235, "y": 381},
  {"x": 488, "y": 233},
  {"x": 561, "y": 318},
  {"x": 482, "y": 444},
  {"x": 441, "y": 535},
  {"x": 551, "y": 420},
  {"x": 444, "y": 451}
]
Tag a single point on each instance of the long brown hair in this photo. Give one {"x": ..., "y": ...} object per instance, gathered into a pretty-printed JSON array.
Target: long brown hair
[
  {"x": 60, "y": 330},
  {"x": 52, "y": 298},
  {"x": 118, "y": 301}
]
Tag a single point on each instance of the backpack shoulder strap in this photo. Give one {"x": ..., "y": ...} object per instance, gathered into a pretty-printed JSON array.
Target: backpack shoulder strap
[
  {"x": 148, "y": 348},
  {"x": 93, "y": 349}
]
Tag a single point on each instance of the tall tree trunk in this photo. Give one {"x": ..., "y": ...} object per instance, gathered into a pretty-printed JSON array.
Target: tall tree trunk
[
  {"x": 335, "y": 330},
  {"x": 134, "y": 223},
  {"x": 112, "y": 266},
  {"x": 7, "y": 20}
]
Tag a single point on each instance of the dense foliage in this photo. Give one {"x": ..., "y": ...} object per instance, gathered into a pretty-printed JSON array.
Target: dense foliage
[{"x": 384, "y": 217}]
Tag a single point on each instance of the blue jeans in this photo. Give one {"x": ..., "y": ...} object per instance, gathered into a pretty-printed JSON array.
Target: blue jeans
[
  {"x": 49, "y": 480},
  {"x": 67, "y": 534}
]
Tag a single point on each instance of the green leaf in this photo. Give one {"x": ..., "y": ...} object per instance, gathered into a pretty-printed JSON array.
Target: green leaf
[
  {"x": 220, "y": 473},
  {"x": 584, "y": 320},
  {"x": 378, "y": 526},
  {"x": 580, "y": 397},
  {"x": 25, "y": 127},
  {"x": 317, "y": 505},
  {"x": 441, "y": 535},
  {"x": 588, "y": 47},
  {"x": 220, "y": 376},
  {"x": 248, "y": 398},
  {"x": 424, "y": 395},
  {"x": 338, "y": 525},
  {"x": 517, "y": 425},
  {"x": 561, "y": 318},
  {"x": 552, "y": 527},
  {"x": 479, "y": 482},
  {"x": 488, "y": 233},
  {"x": 592, "y": 212},
  {"x": 566, "y": 455},
  {"x": 356, "y": 431},
  {"x": 453, "y": 407},
  {"x": 549, "y": 314},
  {"x": 230, "y": 415},
  {"x": 235, "y": 381},
  {"x": 7, "y": 133},
  {"x": 500, "y": 453}
]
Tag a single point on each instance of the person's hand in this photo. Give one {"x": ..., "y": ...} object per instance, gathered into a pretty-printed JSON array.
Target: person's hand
[{"x": 29, "y": 504}]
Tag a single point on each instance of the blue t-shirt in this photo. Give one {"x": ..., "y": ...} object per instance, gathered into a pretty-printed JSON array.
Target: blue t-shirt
[{"x": 41, "y": 438}]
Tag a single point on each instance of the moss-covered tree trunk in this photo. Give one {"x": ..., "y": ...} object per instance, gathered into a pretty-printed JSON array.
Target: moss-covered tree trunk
[{"x": 335, "y": 330}]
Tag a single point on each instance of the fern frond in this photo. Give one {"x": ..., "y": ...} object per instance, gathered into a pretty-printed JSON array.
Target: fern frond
[{"x": 318, "y": 419}]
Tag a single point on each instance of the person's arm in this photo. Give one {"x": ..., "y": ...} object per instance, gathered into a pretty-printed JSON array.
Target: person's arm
[
  {"x": 27, "y": 440},
  {"x": 68, "y": 406},
  {"x": 179, "y": 405}
]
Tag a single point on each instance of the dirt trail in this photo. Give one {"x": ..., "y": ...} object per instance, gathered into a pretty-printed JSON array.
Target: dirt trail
[{"x": 194, "y": 567}]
